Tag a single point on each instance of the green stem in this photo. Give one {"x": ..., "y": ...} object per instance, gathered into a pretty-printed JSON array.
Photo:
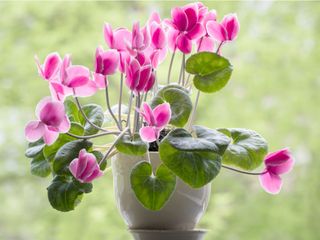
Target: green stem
[
  {"x": 93, "y": 136},
  {"x": 170, "y": 67},
  {"x": 85, "y": 116},
  {"x": 243, "y": 172},
  {"x": 193, "y": 112},
  {"x": 109, "y": 107},
  {"x": 120, "y": 100},
  {"x": 112, "y": 146}
]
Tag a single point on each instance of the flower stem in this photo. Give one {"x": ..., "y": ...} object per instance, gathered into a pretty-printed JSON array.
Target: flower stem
[
  {"x": 109, "y": 108},
  {"x": 170, "y": 66},
  {"x": 193, "y": 113},
  {"x": 93, "y": 136},
  {"x": 243, "y": 172},
  {"x": 183, "y": 68},
  {"x": 219, "y": 47},
  {"x": 120, "y": 100},
  {"x": 112, "y": 146},
  {"x": 85, "y": 116}
]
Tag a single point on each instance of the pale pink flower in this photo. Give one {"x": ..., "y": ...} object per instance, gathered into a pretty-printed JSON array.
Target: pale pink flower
[
  {"x": 156, "y": 120},
  {"x": 51, "y": 120},
  {"x": 85, "y": 168},
  {"x": 277, "y": 163},
  {"x": 50, "y": 67}
]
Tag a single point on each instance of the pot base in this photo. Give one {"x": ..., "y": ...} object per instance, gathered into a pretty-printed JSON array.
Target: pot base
[{"x": 147, "y": 234}]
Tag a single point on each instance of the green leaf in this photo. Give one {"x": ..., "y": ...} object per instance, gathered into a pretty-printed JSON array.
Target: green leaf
[
  {"x": 34, "y": 148},
  {"x": 130, "y": 146},
  {"x": 152, "y": 191},
  {"x": 50, "y": 151},
  {"x": 247, "y": 149},
  {"x": 64, "y": 194},
  {"x": 95, "y": 114},
  {"x": 180, "y": 104},
  {"x": 40, "y": 166},
  {"x": 72, "y": 111},
  {"x": 67, "y": 153},
  {"x": 212, "y": 72},
  {"x": 196, "y": 160}
]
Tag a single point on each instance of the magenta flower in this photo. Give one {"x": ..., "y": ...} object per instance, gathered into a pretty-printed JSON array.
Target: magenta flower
[
  {"x": 150, "y": 82},
  {"x": 206, "y": 42},
  {"x": 117, "y": 39},
  {"x": 50, "y": 67},
  {"x": 277, "y": 163},
  {"x": 227, "y": 30},
  {"x": 85, "y": 168},
  {"x": 106, "y": 63},
  {"x": 185, "y": 27},
  {"x": 156, "y": 120},
  {"x": 157, "y": 51},
  {"x": 72, "y": 79},
  {"x": 132, "y": 74},
  {"x": 51, "y": 120}
]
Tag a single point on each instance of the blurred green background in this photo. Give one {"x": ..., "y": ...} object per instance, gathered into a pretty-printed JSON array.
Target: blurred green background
[{"x": 274, "y": 90}]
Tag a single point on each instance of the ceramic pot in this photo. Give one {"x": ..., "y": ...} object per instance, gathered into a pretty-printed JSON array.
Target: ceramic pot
[{"x": 183, "y": 210}]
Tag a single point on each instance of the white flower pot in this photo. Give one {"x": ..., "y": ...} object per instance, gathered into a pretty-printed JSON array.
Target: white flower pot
[{"x": 183, "y": 210}]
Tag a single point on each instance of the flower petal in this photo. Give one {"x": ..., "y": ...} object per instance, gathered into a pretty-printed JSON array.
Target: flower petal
[
  {"x": 108, "y": 34},
  {"x": 149, "y": 134},
  {"x": 86, "y": 90},
  {"x": 73, "y": 167},
  {"x": 162, "y": 114},
  {"x": 95, "y": 174},
  {"x": 50, "y": 136},
  {"x": 158, "y": 38},
  {"x": 144, "y": 77},
  {"x": 205, "y": 44},
  {"x": 279, "y": 162},
  {"x": 77, "y": 76},
  {"x": 191, "y": 10},
  {"x": 217, "y": 31},
  {"x": 132, "y": 74},
  {"x": 64, "y": 125},
  {"x": 270, "y": 182},
  {"x": 196, "y": 32},
  {"x": 100, "y": 80},
  {"x": 231, "y": 24},
  {"x": 184, "y": 44},
  {"x": 34, "y": 130},
  {"x": 150, "y": 82},
  {"x": 52, "y": 113},
  {"x": 110, "y": 62},
  {"x": 120, "y": 36},
  {"x": 172, "y": 39},
  {"x": 179, "y": 18},
  {"x": 41, "y": 105},
  {"x": 147, "y": 114}
]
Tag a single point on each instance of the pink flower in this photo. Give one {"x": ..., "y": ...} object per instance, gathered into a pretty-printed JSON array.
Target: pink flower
[
  {"x": 185, "y": 27},
  {"x": 206, "y": 42},
  {"x": 72, "y": 79},
  {"x": 157, "y": 51},
  {"x": 227, "y": 30},
  {"x": 106, "y": 63},
  {"x": 277, "y": 163},
  {"x": 118, "y": 40},
  {"x": 51, "y": 120},
  {"x": 50, "y": 67},
  {"x": 140, "y": 40},
  {"x": 85, "y": 168},
  {"x": 156, "y": 120},
  {"x": 139, "y": 74}
]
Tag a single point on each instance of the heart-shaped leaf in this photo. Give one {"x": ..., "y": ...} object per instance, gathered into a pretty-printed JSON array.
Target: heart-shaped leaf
[
  {"x": 67, "y": 153},
  {"x": 34, "y": 148},
  {"x": 247, "y": 149},
  {"x": 196, "y": 160},
  {"x": 65, "y": 194},
  {"x": 134, "y": 146},
  {"x": 95, "y": 114},
  {"x": 40, "y": 166},
  {"x": 152, "y": 191},
  {"x": 50, "y": 151},
  {"x": 180, "y": 104},
  {"x": 212, "y": 71}
]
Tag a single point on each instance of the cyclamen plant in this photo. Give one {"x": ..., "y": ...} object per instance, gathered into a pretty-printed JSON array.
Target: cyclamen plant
[{"x": 155, "y": 118}]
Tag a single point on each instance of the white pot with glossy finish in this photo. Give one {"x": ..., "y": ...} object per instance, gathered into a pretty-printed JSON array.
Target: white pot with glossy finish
[{"x": 183, "y": 210}]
